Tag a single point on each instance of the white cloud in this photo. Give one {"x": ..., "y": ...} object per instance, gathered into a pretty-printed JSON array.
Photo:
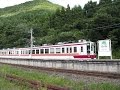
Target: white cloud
[{"x": 5, "y": 3}]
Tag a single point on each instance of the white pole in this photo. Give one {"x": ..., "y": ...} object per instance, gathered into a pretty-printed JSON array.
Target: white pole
[
  {"x": 95, "y": 49},
  {"x": 98, "y": 48},
  {"x": 31, "y": 42},
  {"x": 111, "y": 49}
]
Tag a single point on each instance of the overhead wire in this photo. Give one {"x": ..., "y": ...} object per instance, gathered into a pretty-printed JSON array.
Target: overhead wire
[
  {"x": 109, "y": 26},
  {"x": 105, "y": 27}
]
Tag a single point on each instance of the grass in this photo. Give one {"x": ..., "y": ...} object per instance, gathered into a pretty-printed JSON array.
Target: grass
[
  {"x": 104, "y": 86},
  {"x": 51, "y": 79},
  {"x": 5, "y": 85}
]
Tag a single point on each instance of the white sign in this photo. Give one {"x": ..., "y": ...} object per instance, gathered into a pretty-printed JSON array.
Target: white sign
[{"x": 104, "y": 48}]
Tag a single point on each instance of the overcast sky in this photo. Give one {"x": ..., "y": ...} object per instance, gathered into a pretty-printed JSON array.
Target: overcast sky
[
  {"x": 72, "y": 3},
  {"x": 5, "y": 3}
]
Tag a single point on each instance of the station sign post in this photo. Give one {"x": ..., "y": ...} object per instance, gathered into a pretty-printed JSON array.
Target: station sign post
[{"x": 104, "y": 48}]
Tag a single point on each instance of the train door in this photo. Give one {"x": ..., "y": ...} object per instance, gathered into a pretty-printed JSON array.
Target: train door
[
  {"x": 88, "y": 48},
  {"x": 92, "y": 50}
]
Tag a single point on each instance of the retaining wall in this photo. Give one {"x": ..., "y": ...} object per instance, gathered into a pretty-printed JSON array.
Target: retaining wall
[{"x": 96, "y": 65}]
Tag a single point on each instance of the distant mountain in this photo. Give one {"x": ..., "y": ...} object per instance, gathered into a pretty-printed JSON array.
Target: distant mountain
[
  {"x": 16, "y": 21},
  {"x": 27, "y": 7}
]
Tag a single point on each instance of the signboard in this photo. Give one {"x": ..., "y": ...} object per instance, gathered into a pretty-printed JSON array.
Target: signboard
[{"x": 104, "y": 48}]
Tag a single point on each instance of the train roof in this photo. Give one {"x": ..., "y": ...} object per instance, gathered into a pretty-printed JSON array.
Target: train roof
[
  {"x": 59, "y": 44},
  {"x": 62, "y": 44}
]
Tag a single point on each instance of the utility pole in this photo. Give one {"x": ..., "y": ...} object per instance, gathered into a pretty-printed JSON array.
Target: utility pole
[{"x": 31, "y": 42}]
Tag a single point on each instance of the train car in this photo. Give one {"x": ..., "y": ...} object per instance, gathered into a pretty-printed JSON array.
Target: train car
[{"x": 81, "y": 50}]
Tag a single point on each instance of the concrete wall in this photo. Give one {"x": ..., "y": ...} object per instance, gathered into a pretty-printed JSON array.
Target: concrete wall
[{"x": 102, "y": 66}]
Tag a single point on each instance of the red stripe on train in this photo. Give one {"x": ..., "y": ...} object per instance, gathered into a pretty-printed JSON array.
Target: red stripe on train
[{"x": 85, "y": 56}]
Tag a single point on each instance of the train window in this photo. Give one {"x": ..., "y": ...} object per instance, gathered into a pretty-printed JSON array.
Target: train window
[
  {"x": 12, "y": 52},
  {"x": 57, "y": 50},
  {"x": 17, "y": 52},
  {"x": 70, "y": 49},
  {"x": 33, "y": 51},
  {"x": 63, "y": 50},
  {"x": 67, "y": 50},
  {"x": 21, "y": 52},
  {"x": 25, "y": 52},
  {"x": 41, "y": 51},
  {"x": 37, "y": 51},
  {"x": 29, "y": 51},
  {"x": 92, "y": 47},
  {"x": 5, "y": 53},
  {"x": 81, "y": 49},
  {"x": 75, "y": 49},
  {"x": 46, "y": 50},
  {"x": 51, "y": 50}
]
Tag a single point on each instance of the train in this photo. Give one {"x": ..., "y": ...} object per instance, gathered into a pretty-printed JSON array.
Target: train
[{"x": 80, "y": 50}]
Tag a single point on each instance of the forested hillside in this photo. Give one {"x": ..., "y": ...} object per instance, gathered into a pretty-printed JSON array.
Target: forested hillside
[
  {"x": 93, "y": 22},
  {"x": 16, "y": 21}
]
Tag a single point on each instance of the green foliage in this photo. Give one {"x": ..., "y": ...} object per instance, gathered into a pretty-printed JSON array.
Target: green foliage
[
  {"x": 105, "y": 1},
  {"x": 103, "y": 86},
  {"x": 116, "y": 53},
  {"x": 115, "y": 37},
  {"x": 89, "y": 8}
]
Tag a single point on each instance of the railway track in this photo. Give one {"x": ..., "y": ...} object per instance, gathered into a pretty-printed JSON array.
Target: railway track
[{"x": 77, "y": 72}]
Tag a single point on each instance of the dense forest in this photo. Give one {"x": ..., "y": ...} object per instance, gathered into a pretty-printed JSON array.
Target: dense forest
[{"x": 52, "y": 23}]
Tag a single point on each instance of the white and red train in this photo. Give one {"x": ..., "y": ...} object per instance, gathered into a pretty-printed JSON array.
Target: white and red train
[{"x": 81, "y": 50}]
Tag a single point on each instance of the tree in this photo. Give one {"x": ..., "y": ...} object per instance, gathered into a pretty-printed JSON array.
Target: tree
[
  {"x": 105, "y": 2},
  {"x": 77, "y": 12},
  {"x": 90, "y": 8},
  {"x": 114, "y": 35},
  {"x": 68, "y": 8}
]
